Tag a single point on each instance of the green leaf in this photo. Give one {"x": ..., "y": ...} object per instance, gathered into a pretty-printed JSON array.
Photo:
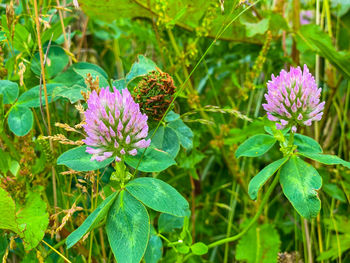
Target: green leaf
[
  {"x": 158, "y": 195},
  {"x": 128, "y": 228},
  {"x": 154, "y": 160},
  {"x": 339, "y": 245},
  {"x": 9, "y": 90},
  {"x": 140, "y": 68},
  {"x": 260, "y": 244},
  {"x": 183, "y": 249},
  {"x": 183, "y": 132},
  {"x": 171, "y": 116},
  {"x": 55, "y": 30},
  {"x": 313, "y": 37},
  {"x": 94, "y": 218},
  {"x": 79, "y": 160},
  {"x": 7, "y": 212},
  {"x": 300, "y": 183},
  {"x": 14, "y": 167},
  {"x": 56, "y": 61},
  {"x": 32, "y": 220},
  {"x": 166, "y": 139},
  {"x": 272, "y": 130},
  {"x": 176, "y": 18},
  {"x": 199, "y": 248},
  {"x": 255, "y": 146},
  {"x": 334, "y": 191},
  {"x": 277, "y": 22},
  {"x": 306, "y": 144},
  {"x": 73, "y": 93},
  {"x": 23, "y": 40},
  {"x": 167, "y": 223},
  {"x": 69, "y": 78},
  {"x": 83, "y": 68},
  {"x": 119, "y": 84},
  {"x": 3, "y": 245},
  {"x": 88, "y": 66},
  {"x": 257, "y": 28},
  {"x": 188, "y": 14},
  {"x": 260, "y": 179},
  {"x": 5, "y": 160},
  {"x": 191, "y": 160},
  {"x": 326, "y": 159},
  {"x": 30, "y": 257},
  {"x": 20, "y": 120},
  {"x": 72, "y": 84},
  {"x": 2, "y": 116},
  {"x": 237, "y": 136},
  {"x": 31, "y": 98},
  {"x": 154, "y": 249}
]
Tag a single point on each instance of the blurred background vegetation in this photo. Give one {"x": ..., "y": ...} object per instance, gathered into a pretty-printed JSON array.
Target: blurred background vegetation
[{"x": 239, "y": 44}]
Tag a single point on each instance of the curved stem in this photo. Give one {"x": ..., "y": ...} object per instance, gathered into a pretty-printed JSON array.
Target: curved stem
[
  {"x": 255, "y": 218},
  {"x": 57, "y": 252},
  {"x": 179, "y": 90}
]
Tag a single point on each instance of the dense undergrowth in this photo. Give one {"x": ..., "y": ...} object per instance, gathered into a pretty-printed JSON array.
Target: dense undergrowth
[{"x": 189, "y": 78}]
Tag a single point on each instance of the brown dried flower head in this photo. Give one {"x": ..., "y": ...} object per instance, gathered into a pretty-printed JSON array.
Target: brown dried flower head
[{"x": 154, "y": 93}]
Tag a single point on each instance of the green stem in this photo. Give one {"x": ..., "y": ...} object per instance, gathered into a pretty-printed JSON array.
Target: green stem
[
  {"x": 291, "y": 139},
  {"x": 233, "y": 203},
  {"x": 122, "y": 171},
  {"x": 170, "y": 244},
  {"x": 178, "y": 92},
  {"x": 58, "y": 245},
  {"x": 118, "y": 60},
  {"x": 308, "y": 241},
  {"x": 304, "y": 242},
  {"x": 255, "y": 218}
]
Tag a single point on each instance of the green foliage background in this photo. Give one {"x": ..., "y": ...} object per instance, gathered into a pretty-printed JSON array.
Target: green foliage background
[{"x": 220, "y": 55}]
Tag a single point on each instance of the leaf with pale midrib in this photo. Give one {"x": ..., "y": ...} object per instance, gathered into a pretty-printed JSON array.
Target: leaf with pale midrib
[
  {"x": 32, "y": 220},
  {"x": 9, "y": 90},
  {"x": 140, "y": 68},
  {"x": 326, "y": 159},
  {"x": 20, "y": 120},
  {"x": 260, "y": 179},
  {"x": 154, "y": 249},
  {"x": 79, "y": 160},
  {"x": 306, "y": 144},
  {"x": 255, "y": 146},
  {"x": 128, "y": 229},
  {"x": 7, "y": 207},
  {"x": 154, "y": 160},
  {"x": 166, "y": 139},
  {"x": 300, "y": 183},
  {"x": 158, "y": 195}
]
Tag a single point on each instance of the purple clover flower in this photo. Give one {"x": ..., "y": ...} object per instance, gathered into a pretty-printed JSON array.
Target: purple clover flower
[
  {"x": 306, "y": 16},
  {"x": 293, "y": 98},
  {"x": 114, "y": 125}
]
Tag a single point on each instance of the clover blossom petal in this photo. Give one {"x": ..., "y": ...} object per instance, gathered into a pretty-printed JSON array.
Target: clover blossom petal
[
  {"x": 293, "y": 98},
  {"x": 114, "y": 125}
]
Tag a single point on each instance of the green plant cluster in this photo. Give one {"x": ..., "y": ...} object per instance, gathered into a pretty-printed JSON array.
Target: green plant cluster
[{"x": 195, "y": 194}]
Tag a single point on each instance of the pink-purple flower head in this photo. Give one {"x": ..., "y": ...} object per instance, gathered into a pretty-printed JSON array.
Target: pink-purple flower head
[
  {"x": 306, "y": 16},
  {"x": 293, "y": 98},
  {"x": 114, "y": 125}
]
